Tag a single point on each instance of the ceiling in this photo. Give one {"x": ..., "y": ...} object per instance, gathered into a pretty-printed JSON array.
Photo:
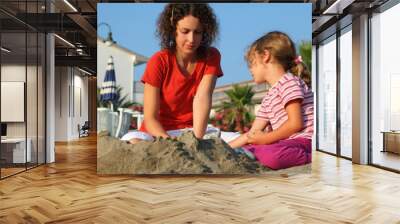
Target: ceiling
[
  {"x": 76, "y": 22},
  {"x": 330, "y": 15}
]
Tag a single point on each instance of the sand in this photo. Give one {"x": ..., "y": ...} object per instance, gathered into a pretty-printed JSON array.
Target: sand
[{"x": 184, "y": 155}]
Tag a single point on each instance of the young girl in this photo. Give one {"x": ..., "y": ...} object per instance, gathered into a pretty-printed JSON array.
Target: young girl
[
  {"x": 287, "y": 108},
  {"x": 179, "y": 79}
]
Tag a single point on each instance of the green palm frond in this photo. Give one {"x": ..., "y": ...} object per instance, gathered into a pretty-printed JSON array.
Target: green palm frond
[
  {"x": 305, "y": 50},
  {"x": 236, "y": 110},
  {"x": 119, "y": 102}
]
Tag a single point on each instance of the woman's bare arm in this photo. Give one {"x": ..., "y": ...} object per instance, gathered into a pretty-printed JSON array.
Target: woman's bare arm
[
  {"x": 202, "y": 104},
  {"x": 151, "y": 110}
]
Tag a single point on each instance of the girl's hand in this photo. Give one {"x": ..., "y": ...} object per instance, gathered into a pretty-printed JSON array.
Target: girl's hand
[{"x": 255, "y": 136}]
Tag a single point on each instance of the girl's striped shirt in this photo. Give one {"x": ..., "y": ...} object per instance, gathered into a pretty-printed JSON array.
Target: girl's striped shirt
[{"x": 288, "y": 88}]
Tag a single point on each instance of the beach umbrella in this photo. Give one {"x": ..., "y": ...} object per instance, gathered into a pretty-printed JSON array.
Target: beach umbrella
[{"x": 108, "y": 91}]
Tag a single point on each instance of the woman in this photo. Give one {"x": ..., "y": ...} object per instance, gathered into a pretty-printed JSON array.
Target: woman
[{"x": 180, "y": 78}]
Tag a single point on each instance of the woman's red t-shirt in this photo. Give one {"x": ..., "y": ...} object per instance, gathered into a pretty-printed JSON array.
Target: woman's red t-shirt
[{"x": 177, "y": 91}]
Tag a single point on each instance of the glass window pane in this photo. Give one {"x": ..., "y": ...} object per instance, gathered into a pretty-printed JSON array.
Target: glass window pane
[
  {"x": 13, "y": 85},
  {"x": 31, "y": 97},
  {"x": 23, "y": 80},
  {"x": 41, "y": 98},
  {"x": 314, "y": 88},
  {"x": 385, "y": 84},
  {"x": 327, "y": 96},
  {"x": 346, "y": 93}
]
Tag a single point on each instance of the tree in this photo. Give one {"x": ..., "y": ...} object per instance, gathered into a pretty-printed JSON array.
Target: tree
[
  {"x": 236, "y": 112},
  {"x": 305, "y": 49},
  {"x": 119, "y": 102}
]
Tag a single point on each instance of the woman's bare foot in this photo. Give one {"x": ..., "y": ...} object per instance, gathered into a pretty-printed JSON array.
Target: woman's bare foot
[{"x": 135, "y": 140}]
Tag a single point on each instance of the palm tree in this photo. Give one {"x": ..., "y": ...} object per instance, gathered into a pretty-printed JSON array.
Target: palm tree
[
  {"x": 119, "y": 102},
  {"x": 305, "y": 49},
  {"x": 237, "y": 109}
]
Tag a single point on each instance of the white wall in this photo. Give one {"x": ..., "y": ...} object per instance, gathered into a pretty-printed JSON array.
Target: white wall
[
  {"x": 138, "y": 93},
  {"x": 80, "y": 110},
  {"x": 61, "y": 103},
  {"x": 71, "y": 102},
  {"x": 123, "y": 65}
]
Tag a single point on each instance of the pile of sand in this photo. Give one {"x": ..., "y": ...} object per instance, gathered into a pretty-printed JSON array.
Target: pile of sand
[{"x": 184, "y": 155}]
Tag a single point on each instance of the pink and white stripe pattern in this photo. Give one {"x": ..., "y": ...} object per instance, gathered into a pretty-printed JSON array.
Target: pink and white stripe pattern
[{"x": 288, "y": 88}]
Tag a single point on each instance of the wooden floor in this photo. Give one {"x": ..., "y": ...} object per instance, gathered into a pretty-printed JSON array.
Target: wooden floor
[
  {"x": 69, "y": 191},
  {"x": 10, "y": 171},
  {"x": 387, "y": 159}
]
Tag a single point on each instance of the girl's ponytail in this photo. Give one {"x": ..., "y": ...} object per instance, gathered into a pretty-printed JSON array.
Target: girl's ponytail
[{"x": 300, "y": 69}]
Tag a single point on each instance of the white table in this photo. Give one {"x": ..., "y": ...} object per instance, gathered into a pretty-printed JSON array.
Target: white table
[
  {"x": 139, "y": 118},
  {"x": 18, "y": 149}
]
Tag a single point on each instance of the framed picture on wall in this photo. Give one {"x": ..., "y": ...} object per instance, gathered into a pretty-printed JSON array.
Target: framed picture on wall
[{"x": 12, "y": 101}]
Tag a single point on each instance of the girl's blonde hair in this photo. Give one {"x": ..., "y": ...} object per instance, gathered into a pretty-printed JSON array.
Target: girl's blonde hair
[{"x": 282, "y": 48}]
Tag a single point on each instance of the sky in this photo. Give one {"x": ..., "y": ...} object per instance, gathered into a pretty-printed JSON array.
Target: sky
[{"x": 133, "y": 26}]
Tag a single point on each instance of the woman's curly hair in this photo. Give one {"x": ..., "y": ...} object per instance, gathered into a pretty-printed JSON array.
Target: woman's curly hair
[{"x": 173, "y": 12}]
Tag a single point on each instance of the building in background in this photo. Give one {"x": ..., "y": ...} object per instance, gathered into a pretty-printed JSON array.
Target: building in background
[
  {"x": 125, "y": 62},
  {"x": 219, "y": 96}
]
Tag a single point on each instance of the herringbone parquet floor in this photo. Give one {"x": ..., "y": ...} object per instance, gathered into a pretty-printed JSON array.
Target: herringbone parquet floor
[{"x": 70, "y": 191}]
